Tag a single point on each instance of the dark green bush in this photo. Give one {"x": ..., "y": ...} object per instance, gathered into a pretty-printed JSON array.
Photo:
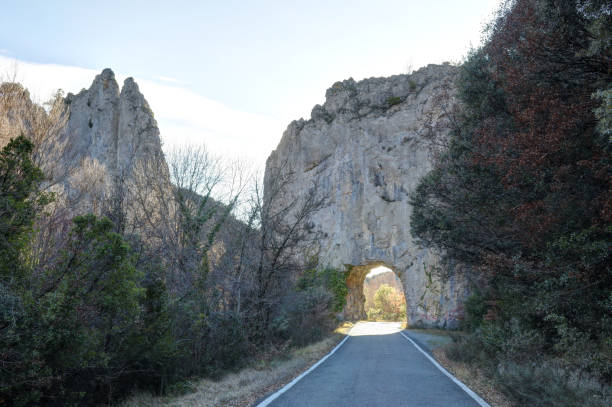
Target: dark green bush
[
  {"x": 307, "y": 315},
  {"x": 20, "y": 201},
  {"x": 475, "y": 309},
  {"x": 88, "y": 325},
  {"x": 394, "y": 100},
  {"x": 540, "y": 385},
  {"x": 331, "y": 279},
  {"x": 74, "y": 334},
  {"x": 521, "y": 199},
  {"x": 227, "y": 342}
]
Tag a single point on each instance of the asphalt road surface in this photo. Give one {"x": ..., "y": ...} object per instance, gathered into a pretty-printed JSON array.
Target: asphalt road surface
[{"x": 376, "y": 366}]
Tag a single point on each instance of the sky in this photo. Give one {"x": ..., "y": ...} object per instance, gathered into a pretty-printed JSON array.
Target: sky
[
  {"x": 378, "y": 270},
  {"x": 231, "y": 74}
]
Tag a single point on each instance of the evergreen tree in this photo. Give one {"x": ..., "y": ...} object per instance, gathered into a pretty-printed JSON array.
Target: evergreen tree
[
  {"x": 523, "y": 194},
  {"x": 19, "y": 203}
]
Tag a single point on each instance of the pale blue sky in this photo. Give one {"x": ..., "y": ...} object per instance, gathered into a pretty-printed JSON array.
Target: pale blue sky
[{"x": 271, "y": 59}]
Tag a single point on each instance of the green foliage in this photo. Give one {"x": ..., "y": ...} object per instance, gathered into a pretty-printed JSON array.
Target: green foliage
[
  {"x": 524, "y": 381},
  {"x": 76, "y": 328},
  {"x": 389, "y": 305},
  {"x": 153, "y": 349},
  {"x": 520, "y": 197},
  {"x": 307, "y": 313},
  {"x": 461, "y": 206},
  {"x": 475, "y": 309},
  {"x": 335, "y": 281},
  {"x": 70, "y": 330},
  {"x": 226, "y": 342},
  {"x": 331, "y": 280},
  {"x": 603, "y": 113},
  {"x": 394, "y": 100},
  {"x": 543, "y": 386},
  {"x": 19, "y": 203},
  {"x": 86, "y": 318}
]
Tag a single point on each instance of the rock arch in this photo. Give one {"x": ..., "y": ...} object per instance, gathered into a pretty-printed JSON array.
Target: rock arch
[{"x": 367, "y": 148}]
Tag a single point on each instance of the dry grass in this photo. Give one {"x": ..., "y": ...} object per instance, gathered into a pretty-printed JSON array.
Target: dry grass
[
  {"x": 344, "y": 328},
  {"x": 474, "y": 379},
  {"x": 243, "y": 388},
  {"x": 434, "y": 331}
]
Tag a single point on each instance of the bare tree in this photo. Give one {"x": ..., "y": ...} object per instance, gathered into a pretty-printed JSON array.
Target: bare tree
[
  {"x": 279, "y": 234},
  {"x": 180, "y": 208}
]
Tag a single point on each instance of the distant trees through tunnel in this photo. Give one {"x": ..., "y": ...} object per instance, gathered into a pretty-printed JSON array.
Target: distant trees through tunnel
[{"x": 384, "y": 295}]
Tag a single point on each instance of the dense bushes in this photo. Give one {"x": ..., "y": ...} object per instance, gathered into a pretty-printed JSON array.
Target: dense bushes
[
  {"x": 19, "y": 202},
  {"x": 307, "y": 312},
  {"x": 64, "y": 328},
  {"x": 334, "y": 281},
  {"x": 76, "y": 328},
  {"x": 522, "y": 196},
  {"x": 90, "y": 314}
]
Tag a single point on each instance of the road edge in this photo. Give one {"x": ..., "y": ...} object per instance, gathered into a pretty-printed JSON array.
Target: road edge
[
  {"x": 458, "y": 382},
  {"x": 289, "y": 385}
]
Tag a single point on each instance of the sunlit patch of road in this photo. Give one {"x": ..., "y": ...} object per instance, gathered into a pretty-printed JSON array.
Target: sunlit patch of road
[
  {"x": 375, "y": 328},
  {"x": 377, "y": 365}
]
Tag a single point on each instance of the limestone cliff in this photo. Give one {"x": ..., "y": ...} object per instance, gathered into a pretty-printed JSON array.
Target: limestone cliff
[
  {"x": 89, "y": 145},
  {"x": 108, "y": 132},
  {"x": 367, "y": 147},
  {"x": 112, "y": 127}
]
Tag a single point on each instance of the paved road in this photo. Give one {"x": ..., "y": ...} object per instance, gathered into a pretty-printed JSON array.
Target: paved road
[{"x": 376, "y": 366}]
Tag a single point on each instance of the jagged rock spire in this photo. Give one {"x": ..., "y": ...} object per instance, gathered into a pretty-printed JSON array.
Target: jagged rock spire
[{"x": 112, "y": 127}]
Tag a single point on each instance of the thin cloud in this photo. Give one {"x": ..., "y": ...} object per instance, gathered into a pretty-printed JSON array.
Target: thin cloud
[
  {"x": 183, "y": 116},
  {"x": 168, "y": 79}
]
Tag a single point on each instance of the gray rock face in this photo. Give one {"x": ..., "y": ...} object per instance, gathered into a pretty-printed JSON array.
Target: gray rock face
[
  {"x": 93, "y": 123},
  {"x": 367, "y": 148},
  {"x": 106, "y": 135}
]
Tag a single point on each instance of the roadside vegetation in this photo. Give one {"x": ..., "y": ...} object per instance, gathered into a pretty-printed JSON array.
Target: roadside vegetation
[
  {"x": 158, "y": 285},
  {"x": 185, "y": 270},
  {"x": 522, "y": 197},
  {"x": 265, "y": 374}
]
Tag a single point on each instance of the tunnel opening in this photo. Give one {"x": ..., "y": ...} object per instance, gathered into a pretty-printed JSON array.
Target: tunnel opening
[
  {"x": 375, "y": 293},
  {"x": 384, "y": 295}
]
